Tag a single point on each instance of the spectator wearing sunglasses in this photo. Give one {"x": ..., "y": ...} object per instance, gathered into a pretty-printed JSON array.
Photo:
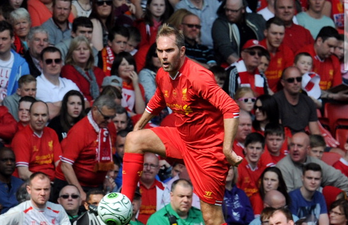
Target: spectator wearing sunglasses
[
  {"x": 58, "y": 26},
  {"x": 245, "y": 72},
  {"x": 266, "y": 111},
  {"x": 87, "y": 149},
  {"x": 69, "y": 198},
  {"x": 191, "y": 28},
  {"x": 281, "y": 55},
  {"x": 296, "y": 110},
  {"x": 51, "y": 88}
]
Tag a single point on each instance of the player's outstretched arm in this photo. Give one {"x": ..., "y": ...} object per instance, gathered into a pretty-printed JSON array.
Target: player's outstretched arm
[
  {"x": 230, "y": 129},
  {"x": 145, "y": 118}
]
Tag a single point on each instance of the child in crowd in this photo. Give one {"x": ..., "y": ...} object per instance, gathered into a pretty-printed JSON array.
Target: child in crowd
[
  {"x": 251, "y": 168},
  {"x": 133, "y": 41},
  {"x": 310, "y": 80},
  {"x": 245, "y": 98},
  {"x": 117, "y": 42},
  {"x": 23, "y": 111},
  {"x": 264, "y": 63},
  {"x": 276, "y": 143},
  {"x": 342, "y": 164},
  {"x": 26, "y": 87},
  {"x": 318, "y": 145},
  {"x": 220, "y": 75}
]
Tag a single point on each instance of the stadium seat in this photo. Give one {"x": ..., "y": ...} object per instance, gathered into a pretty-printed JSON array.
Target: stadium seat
[
  {"x": 330, "y": 157},
  {"x": 342, "y": 136},
  {"x": 336, "y": 114}
]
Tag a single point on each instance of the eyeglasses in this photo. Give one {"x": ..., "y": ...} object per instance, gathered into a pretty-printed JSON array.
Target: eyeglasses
[
  {"x": 105, "y": 116},
  {"x": 197, "y": 26},
  {"x": 152, "y": 166},
  {"x": 247, "y": 100},
  {"x": 232, "y": 10},
  {"x": 252, "y": 53},
  {"x": 50, "y": 61},
  {"x": 257, "y": 107},
  {"x": 292, "y": 79},
  {"x": 102, "y": 3},
  {"x": 336, "y": 213},
  {"x": 72, "y": 196}
]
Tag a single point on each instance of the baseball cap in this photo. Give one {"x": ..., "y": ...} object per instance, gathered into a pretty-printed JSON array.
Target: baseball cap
[
  {"x": 113, "y": 81},
  {"x": 252, "y": 43}
]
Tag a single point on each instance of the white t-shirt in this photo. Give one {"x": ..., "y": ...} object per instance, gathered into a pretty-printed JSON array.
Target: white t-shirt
[
  {"x": 25, "y": 213},
  {"x": 5, "y": 72},
  {"x": 48, "y": 92}
]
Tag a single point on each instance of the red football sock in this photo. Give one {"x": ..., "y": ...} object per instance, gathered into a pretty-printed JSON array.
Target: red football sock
[{"x": 132, "y": 170}]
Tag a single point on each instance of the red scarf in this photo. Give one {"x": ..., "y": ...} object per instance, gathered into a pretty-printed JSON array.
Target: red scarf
[
  {"x": 108, "y": 58},
  {"x": 103, "y": 149}
]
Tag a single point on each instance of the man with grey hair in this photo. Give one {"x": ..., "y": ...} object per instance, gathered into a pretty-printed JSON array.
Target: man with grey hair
[
  {"x": 69, "y": 198},
  {"x": 87, "y": 150},
  {"x": 37, "y": 41}
]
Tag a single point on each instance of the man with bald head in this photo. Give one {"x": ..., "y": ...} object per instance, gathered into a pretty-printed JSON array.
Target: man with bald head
[
  {"x": 36, "y": 146},
  {"x": 233, "y": 27},
  {"x": 274, "y": 199},
  {"x": 291, "y": 165},
  {"x": 296, "y": 110}
]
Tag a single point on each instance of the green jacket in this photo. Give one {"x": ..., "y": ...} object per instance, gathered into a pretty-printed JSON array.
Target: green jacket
[
  {"x": 160, "y": 217},
  {"x": 137, "y": 222}
]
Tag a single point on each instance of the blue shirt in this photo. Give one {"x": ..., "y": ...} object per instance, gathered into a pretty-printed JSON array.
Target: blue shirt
[
  {"x": 307, "y": 209},
  {"x": 8, "y": 196}
]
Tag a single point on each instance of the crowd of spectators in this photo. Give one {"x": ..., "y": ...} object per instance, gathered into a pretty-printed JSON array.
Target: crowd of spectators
[{"x": 76, "y": 75}]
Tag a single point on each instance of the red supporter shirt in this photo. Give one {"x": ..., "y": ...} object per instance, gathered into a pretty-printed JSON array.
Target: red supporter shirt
[
  {"x": 283, "y": 58},
  {"x": 199, "y": 104},
  {"x": 296, "y": 37},
  {"x": 328, "y": 69},
  {"x": 79, "y": 150},
  {"x": 69, "y": 72},
  {"x": 37, "y": 153},
  {"x": 248, "y": 181},
  {"x": 248, "y": 178},
  {"x": 148, "y": 201}
]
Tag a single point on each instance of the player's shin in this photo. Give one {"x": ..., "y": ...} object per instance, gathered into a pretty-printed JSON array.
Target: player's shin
[{"x": 131, "y": 173}]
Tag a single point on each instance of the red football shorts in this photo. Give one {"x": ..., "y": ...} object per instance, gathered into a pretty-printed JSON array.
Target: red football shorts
[{"x": 207, "y": 167}]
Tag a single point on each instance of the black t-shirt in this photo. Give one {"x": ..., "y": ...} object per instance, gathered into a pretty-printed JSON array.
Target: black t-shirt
[{"x": 296, "y": 117}]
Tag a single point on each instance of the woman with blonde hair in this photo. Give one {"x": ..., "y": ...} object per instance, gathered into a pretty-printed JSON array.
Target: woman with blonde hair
[{"x": 79, "y": 67}]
